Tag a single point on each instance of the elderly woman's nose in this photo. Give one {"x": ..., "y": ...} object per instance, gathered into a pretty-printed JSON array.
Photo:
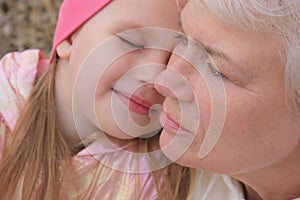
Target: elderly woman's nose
[{"x": 170, "y": 83}]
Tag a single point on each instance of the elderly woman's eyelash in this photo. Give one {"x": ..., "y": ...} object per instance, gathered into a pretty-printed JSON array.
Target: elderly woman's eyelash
[
  {"x": 210, "y": 66},
  {"x": 214, "y": 71},
  {"x": 131, "y": 43}
]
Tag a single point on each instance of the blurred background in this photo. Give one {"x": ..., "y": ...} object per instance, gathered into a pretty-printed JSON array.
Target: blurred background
[{"x": 27, "y": 24}]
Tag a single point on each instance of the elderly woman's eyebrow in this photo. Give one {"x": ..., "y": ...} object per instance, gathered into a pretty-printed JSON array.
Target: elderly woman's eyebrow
[{"x": 211, "y": 49}]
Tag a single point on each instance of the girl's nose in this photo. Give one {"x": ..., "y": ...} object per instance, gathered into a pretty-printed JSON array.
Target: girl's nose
[
  {"x": 156, "y": 61},
  {"x": 147, "y": 73}
]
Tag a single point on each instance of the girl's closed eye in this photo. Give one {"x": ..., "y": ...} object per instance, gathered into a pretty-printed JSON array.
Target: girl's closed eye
[
  {"x": 131, "y": 43},
  {"x": 182, "y": 38}
]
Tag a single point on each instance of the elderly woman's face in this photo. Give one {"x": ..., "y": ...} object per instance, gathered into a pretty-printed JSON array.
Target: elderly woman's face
[{"x": 228, "y": 86}]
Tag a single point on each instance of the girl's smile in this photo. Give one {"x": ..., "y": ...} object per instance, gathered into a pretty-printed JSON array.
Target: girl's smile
[{"x": 134, "y": 103}]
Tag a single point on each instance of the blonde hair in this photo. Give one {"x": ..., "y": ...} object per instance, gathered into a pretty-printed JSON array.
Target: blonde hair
[
  {"x": 36, "y": 161},
  {"x": 281, "y": 18},
  {"x": 32, "y": 158}
]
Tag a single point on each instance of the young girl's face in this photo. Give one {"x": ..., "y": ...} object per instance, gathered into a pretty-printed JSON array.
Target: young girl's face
[{"x": 113, "y": 78}]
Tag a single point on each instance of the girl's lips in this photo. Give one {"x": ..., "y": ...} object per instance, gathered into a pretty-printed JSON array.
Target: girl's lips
[
  {"x": 134, "y": 103},
  {"x": 168, "y": 123}
]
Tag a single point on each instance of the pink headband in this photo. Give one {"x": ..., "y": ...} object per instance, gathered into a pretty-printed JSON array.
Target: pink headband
[{"x": 72, "y": 14}]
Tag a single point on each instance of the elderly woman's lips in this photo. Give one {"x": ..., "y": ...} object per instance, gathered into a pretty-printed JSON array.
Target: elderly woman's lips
[
  {"x": 168, "y": 123},
  {"x": 134, "y": 103}
]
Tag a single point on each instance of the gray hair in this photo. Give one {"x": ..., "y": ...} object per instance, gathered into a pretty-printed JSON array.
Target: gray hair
[{"x": 281, "y": 18}]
